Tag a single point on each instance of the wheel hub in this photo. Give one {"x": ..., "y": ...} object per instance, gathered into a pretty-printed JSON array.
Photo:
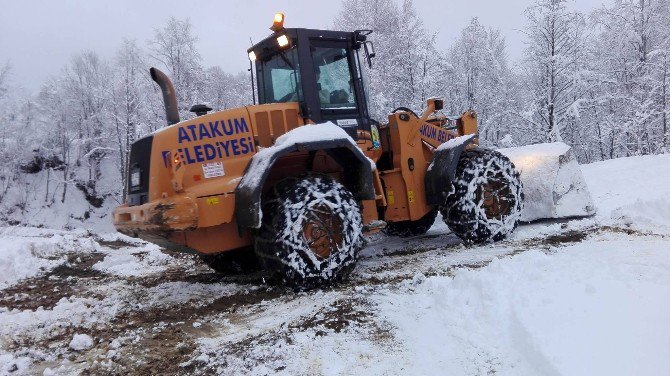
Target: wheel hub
[
  {"x": 323, "y": 231},
  {"x": 495, "y": 202}
]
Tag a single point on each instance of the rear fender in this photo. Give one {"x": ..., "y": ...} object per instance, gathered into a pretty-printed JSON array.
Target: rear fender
[
  {"x": 343, "y": 150},
  {"x": 442, "y": 169}
]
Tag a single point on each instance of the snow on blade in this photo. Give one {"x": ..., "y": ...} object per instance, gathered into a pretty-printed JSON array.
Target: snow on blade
[{"x": 553, "y": 184}]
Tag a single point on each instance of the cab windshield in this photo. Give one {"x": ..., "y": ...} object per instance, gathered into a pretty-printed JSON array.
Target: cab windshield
[
  {"x": 333, "y": 78},
  {"x": 279, "y": 78}
]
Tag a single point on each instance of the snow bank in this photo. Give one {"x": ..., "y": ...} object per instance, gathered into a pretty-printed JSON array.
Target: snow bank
[
  {"x": 598, "y": 307},
  {"x": 36, "y": 200},
  {"x": 632, "y": 191},
  {"x": 27, "y": 252}
]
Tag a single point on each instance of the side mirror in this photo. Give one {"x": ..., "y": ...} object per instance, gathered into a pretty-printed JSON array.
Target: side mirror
[
  {"x": 369, "y": 48},
  {"x": 361, "y": 37}
]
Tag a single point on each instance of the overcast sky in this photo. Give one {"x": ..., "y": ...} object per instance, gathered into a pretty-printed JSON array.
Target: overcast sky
[{"x": 39, "y": 37}]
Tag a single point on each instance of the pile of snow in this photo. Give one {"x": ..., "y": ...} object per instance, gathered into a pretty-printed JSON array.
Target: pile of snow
[
  {"x": 27, "y": 252},
  {"x": 632, "y": 191},
  {"x": 81, "y": 342},
  {"x": 11, "y": 363},
  {"x": 68, "y": 312},
  {"x": 595, "y": 308},
  {"x": 134, "y": 261}
]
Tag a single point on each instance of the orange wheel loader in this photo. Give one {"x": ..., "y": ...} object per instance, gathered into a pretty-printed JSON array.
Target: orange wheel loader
[{"x": 293, "y": 182}]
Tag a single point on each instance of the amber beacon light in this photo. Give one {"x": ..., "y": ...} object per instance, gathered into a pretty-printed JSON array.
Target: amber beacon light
[{"x": 278, "y": 23}]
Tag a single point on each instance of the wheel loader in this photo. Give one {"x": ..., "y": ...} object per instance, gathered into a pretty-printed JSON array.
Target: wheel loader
[{"x": 296, "y": 180}]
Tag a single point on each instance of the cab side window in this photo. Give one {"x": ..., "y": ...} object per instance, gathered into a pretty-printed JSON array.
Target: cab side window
[{"x": 279, "y": 78}]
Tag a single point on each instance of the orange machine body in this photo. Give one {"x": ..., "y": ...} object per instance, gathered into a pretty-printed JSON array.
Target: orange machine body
[{"x": 197, "y": 164}]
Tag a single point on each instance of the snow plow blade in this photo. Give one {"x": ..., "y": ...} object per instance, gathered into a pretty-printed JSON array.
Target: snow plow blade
[{"x": 553, "y": 183}]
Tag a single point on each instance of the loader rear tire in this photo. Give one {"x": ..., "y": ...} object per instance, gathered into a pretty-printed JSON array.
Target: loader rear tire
[
  {"x": 406, "y": 229},
  {"x": 487, "y": 199},
  {"x": 311, "y": 232}
]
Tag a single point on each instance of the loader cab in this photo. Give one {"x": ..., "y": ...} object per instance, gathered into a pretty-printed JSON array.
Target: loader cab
[{"x": 319, "y": 69}]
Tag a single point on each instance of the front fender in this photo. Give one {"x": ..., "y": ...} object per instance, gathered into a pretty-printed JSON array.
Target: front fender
[
  {"x": 328, "y": 137},
  {"x": 442, "y": 169}
]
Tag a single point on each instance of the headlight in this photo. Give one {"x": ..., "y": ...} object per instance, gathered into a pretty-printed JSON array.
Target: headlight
[{"x": 282, "y": 40}]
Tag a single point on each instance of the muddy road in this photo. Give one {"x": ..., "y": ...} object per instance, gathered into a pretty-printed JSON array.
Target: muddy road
[{"x": 150, "y": 311}]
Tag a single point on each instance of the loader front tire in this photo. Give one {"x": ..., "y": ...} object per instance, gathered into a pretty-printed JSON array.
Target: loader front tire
[
  {"x": 311, "y": 232},
  {"x": 406, "y": 229},
  {"x": 487, "y": 199}
]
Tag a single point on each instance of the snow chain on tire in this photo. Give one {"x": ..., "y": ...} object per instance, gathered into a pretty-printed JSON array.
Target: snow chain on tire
[
  {"x": 311, "y": 231},
  {"x": 487, "y": 197}
]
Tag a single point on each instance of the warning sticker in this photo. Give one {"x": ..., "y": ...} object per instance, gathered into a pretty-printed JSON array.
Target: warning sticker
[
  {"x": 213, "y": 201},
  {"x": 212, "y": 170}
]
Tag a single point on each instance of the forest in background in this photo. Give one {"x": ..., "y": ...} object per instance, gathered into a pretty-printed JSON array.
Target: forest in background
[{"x": 597, "y": 81}]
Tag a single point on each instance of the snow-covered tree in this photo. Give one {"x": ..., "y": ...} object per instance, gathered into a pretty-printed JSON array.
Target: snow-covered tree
[
  {"x": 635, "y": 44},
  {"x": 174, "y": 48},
  {"x": 552, "y": 63},
  {"x": 129, "y": 107},
  {"x": 4, "y": 78},
  {"x": 479, "y": 78},
  {"x": 407, "y": 64},
  {"x": 223, "y": 90},
  {"x": 87, "y": 91},
  {"x": 55, "y": 119}
]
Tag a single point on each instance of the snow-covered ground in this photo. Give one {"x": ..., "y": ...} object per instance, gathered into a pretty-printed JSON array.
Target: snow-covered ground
[{"x": 584, "y": 297}]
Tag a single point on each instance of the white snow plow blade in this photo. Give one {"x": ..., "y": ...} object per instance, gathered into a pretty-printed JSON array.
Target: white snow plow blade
[{"x": 553, "y": 184}]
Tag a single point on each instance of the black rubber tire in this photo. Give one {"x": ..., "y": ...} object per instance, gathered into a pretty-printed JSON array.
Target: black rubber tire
[
  {"x": 238, "y": 261},
  {"x": 322, "y": 207},
  {"x": 406, "y": 229},
  {"x": 466, "y": 212}
]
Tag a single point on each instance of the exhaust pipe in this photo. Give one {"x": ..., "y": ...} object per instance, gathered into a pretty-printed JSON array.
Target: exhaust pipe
[{"x": 169, "y": 97}]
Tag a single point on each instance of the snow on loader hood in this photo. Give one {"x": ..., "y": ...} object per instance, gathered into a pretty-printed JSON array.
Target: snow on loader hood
[{"x": 553, "y": 183}]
